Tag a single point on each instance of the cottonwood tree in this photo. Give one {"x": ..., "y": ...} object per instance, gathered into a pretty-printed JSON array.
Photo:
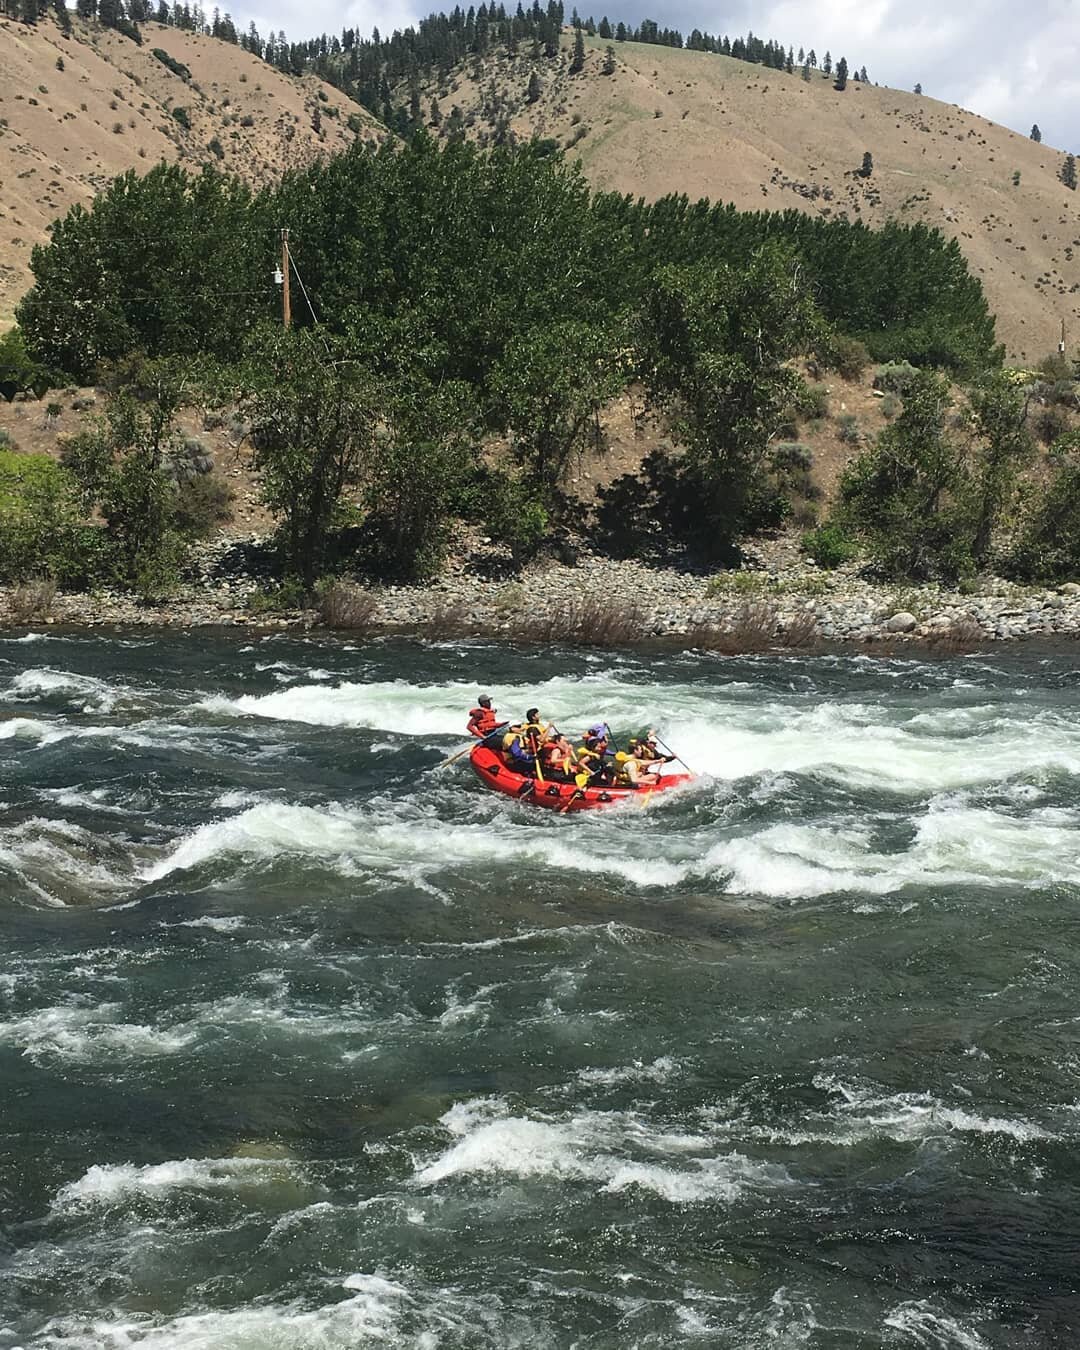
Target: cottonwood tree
[
  {"x": 714, "y": 349},
  {"x": 312, "y": 408}
]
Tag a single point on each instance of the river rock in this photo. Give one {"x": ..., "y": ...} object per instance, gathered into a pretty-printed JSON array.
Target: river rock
[{"x": 901, "y": 622}]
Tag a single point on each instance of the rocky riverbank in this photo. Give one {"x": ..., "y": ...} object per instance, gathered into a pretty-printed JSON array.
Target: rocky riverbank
[{"x": 782, "y": 600}]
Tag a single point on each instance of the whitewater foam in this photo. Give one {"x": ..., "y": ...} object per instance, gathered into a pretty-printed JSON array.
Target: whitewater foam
[
  {"x": 119, "y": 1183},
  {"x": 597, "y": 1147},
  {"x": 82, "y": 693},
  {"x": 90, "y": 1035}
]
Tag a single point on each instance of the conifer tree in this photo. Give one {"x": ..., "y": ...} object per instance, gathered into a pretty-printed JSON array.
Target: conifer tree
[
  {"x": 533, "y": 91},
  {"x": 1036, "y": 134},
  {"x": 811, "y": 57},
  {"x": 604, "y": 31},
  {"x": 826, "y": 65},
  {"x": 841, "y": 75},
  {"x": 608, "y": 68},
  {"x": 918, "y": 88},
  {"x": 577, "y": 63},
  {"x": 867, "y": 165},
  {"x": 806, "y": 71},
  {"x": 1068, "y": 172}
]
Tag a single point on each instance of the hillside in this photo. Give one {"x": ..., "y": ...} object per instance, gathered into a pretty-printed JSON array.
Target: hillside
[
  {"x": 75, "y": 111},
  {"x": 670, "y": 120}
]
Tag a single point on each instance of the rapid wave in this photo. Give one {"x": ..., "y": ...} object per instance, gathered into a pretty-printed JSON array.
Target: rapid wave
[
  {"x": 958, "y": 845},
  {"x": 121, "y": 1183},
  {"x": 66, "y": 690},
  {"x": 614, "y": 1151},
  {"x": 90, "y": 1036}
]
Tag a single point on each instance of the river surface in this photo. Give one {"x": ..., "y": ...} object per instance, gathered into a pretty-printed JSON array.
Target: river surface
[{"x": 306, "y": 1042}]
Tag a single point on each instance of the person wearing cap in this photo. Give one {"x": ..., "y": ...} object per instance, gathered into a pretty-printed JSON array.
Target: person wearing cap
[{"x": 482, "y": 719}]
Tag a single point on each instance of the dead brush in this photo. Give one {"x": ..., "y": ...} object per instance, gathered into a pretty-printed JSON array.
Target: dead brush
[
  {"x": 449, "y": 620},
  {"x": 31, "y": 600},
  {"x": 592, "y": 621},
  {"x": 752, "y": 627},
  {"x": 347, "y": 606},
  {"x": 961, "y": 636}
]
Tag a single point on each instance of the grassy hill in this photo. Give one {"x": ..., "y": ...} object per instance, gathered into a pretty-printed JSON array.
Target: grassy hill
[
  {"x": 75, "y": 111},
  {"x": 676, "y": 121}
]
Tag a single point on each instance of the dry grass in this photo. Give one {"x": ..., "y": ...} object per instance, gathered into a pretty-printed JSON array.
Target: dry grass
[
  {"x": 32, "y": 601},
  {"x": 754, "y": 627},
  {"x": 962, "y": 636},
  {"x": 591, "y": 621},
  {"x": 347, "y": 606}
]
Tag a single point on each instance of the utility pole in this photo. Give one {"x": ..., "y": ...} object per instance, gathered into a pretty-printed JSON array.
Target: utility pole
[{"x": 286, "y": 303}]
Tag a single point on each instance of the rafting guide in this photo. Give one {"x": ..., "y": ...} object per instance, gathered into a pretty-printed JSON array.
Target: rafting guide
[{"x": 535, "y": 762}]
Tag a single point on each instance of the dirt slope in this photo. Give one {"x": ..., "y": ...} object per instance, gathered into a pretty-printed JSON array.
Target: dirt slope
[
  {"x": 75, "y": 111},
  {"x": 709, "y": 126}
]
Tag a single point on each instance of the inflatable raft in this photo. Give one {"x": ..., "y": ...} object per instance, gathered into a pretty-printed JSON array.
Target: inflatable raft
[{"x": 493, "y": 773}]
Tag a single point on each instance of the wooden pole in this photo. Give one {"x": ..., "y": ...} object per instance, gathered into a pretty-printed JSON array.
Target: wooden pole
[{"x": 286, "y": 302}]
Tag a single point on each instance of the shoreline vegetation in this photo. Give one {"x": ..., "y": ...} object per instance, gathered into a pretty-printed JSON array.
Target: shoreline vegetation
[{"x": 781, "y": 602}]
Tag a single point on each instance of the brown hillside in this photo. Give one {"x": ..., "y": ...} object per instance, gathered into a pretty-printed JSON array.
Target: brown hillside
[
  {"x": 65, "y": 132},
  {"x": 709, "y": 126}
]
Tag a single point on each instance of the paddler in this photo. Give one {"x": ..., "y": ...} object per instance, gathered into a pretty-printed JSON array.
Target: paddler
[
  {"x": 533, "y": 732},
  {"x": 557, "y": 758},
  {"x": 483, "y": 718},
  {"x": 593, "y": 756}
]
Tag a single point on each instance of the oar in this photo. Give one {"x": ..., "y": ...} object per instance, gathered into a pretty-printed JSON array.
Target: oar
[
  {"x": 668, "y": 750},
  {"x": 579, "y": 792},
  {"x": 455, "y": 757}
]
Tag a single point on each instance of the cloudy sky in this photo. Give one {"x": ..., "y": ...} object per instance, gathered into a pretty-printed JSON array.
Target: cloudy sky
[{"x": 1014, "y": 63}]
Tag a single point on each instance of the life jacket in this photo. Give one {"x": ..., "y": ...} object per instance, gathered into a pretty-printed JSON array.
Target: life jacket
[
  {"x": 481, "y": 721},
  {"x": 532, "y": 735}
]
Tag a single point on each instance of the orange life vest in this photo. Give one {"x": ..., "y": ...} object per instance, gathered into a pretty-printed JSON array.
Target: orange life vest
[{"x": 481, "y": 721}]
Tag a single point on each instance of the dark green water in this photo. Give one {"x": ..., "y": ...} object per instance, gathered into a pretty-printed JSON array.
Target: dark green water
[{"x": 304, "y": 1043}]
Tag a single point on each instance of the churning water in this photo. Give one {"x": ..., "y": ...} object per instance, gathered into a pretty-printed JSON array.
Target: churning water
[{"x": 306, "y": 1043}]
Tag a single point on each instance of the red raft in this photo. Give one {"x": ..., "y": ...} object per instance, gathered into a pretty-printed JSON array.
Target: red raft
[{"x": 493, "y": 773}]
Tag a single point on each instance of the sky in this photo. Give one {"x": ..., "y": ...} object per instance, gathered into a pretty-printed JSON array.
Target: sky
[{"x": 1017, "y": 64}]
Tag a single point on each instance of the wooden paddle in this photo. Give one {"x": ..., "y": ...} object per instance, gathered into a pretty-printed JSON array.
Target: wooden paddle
[{"x": 455, "y": 757}]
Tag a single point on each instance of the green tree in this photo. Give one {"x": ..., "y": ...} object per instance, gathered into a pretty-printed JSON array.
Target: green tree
[
  {"x": 1048, "y": 544},
  {"x": 906, "y": 495},
  {"x": 1004, "y": 445},
  {"x": 1036, "y": 134},
  {"x": 39, "y": 517},
  {"x": 867, "y": 165},
  {"x": 840, "y": 83},
  {"x": 312, "y": 408},
  {"x": 577, "y": 61},
  {"x": 549, "y": 389},
  {"x": 424, "y": 453},
  {"x": 826, "y": 65},
  {"x": 532, "y": 93},
  {"x": 123, "y": 464},
  {"x": 608, "y": 67},
  {"x": 1068, "y": 172},
  {"x": 714, "y": 350}
]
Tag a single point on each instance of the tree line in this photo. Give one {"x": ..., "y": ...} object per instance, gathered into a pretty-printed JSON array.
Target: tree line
[{"x": 447, "y": 296}]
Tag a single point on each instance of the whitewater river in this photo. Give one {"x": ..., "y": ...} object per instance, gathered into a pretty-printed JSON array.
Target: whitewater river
[{"x": 306, "y": 1043}]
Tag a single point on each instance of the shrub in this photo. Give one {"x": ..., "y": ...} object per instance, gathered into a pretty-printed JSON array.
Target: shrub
[
  {"x": 217, "y": 149},
  {"x": 20, "y": 374},
  {"x": 32, "y": 600},
  {"x": 181, "y": 115},
  {"x": 288, "y": 594},
  {"x": 39, "y": 514},
  {"x": 847, "y": 356},
  {"x": 814, "y": 401},
  {"x": 890, "y": 406},
  {"x": 342, "y": 604},
  {"x": 848, "y": 429},
  {"x": 1055, "y": 367},
  {"x": 202, "y": 504},
  {"x": 1050, "y": 423},
  {"x": 895, "y": 377},
  {"x": 829, "y": 546},
  {"x": 177, "y": 67},
  {"x": 247, "y": 121}
]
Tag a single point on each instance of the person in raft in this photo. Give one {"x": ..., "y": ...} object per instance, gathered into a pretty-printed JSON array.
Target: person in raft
[
  {"x": 533, "y": 732},
  {"x": 557, "y": 760},
  {"x": 594, "y": 758},
  {"x": 482, "y": 718}
]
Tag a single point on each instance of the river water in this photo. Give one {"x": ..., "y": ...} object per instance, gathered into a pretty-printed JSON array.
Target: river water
[{"x": 308, "y": 1043}]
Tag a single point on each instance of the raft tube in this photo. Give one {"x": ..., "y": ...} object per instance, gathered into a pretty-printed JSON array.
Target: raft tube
[{"x": 490, "y": 768}]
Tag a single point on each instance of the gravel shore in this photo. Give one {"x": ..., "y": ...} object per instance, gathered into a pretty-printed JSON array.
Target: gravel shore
[{"x": 783, "y": 599}]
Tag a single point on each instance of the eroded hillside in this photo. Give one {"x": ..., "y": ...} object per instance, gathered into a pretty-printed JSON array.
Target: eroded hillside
[
  {"x": 669, "y": 120},
  {"x": 75, "y": 111}
]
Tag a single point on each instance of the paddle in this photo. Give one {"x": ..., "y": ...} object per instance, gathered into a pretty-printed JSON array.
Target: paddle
[
  {"x": 668, "y": 750},
  {"x": 455, "y": 757}
]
